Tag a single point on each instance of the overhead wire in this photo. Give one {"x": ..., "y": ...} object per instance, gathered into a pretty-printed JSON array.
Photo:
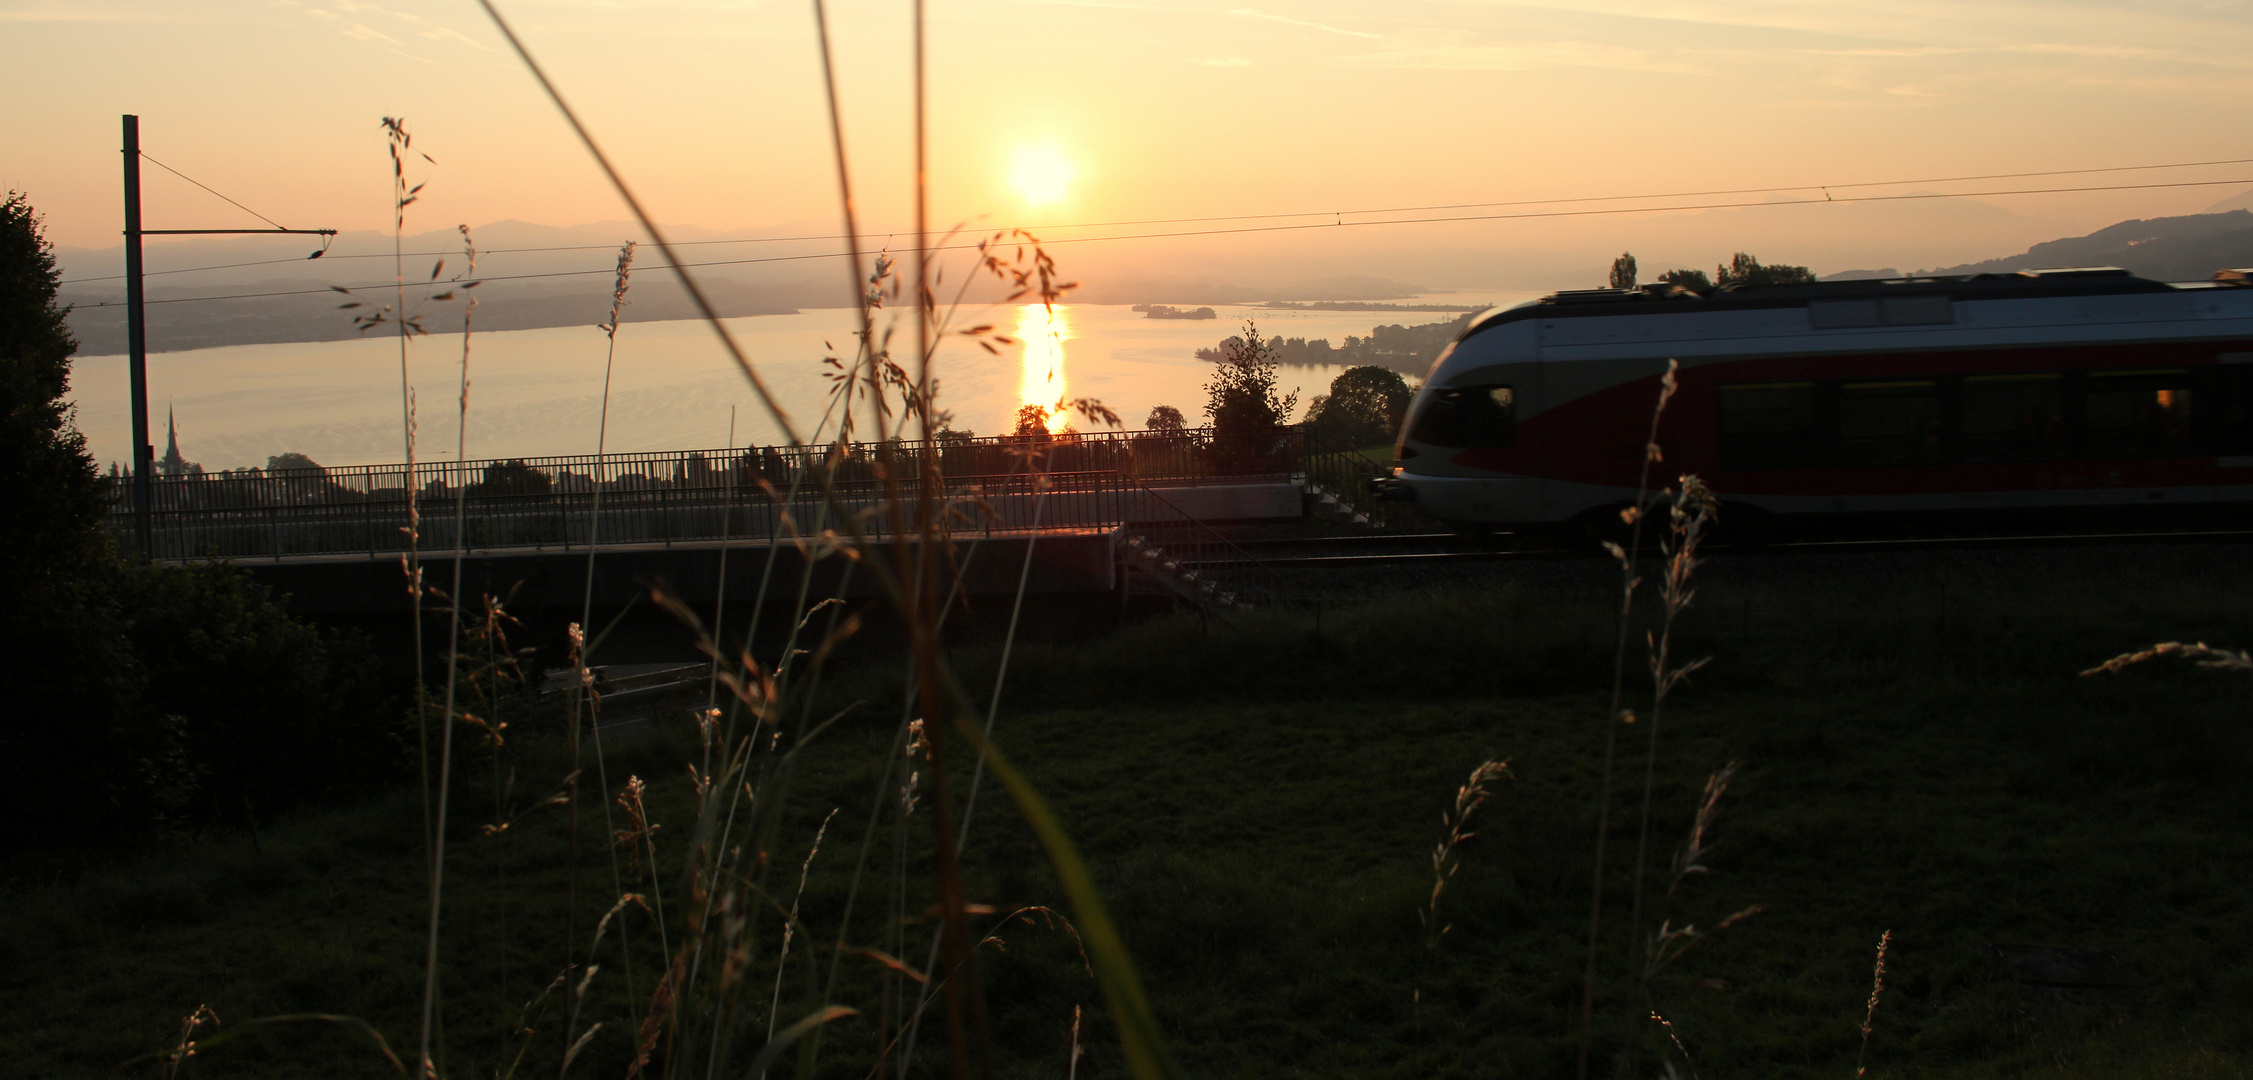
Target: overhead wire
[
  {"x": 1337, "y": 221},
  {"x": 1336, "y": 215},
  {"x": 184, "y": 176}
]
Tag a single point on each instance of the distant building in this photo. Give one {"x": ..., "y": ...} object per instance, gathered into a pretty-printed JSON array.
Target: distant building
[{"x": 172, "y": 466}]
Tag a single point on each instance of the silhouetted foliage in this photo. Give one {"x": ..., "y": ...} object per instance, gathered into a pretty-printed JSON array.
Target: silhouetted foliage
[
  {"x": 1409, "y": 350},
  {"x": 1032, "y": 420},
  {"x": 294, "y": 460},
  {"x": 1693, "y": 280},
  {"x": 270, "y": 711},
  {"x": 1242, "y": 395},
  {"x": 1623, "y": 271},
  {"x": 54, "y": 494},
  {"x": 68, "y": 677},
  {"x": 511, "y": 477},
  {"x": 1166, "y": 418},
  {"x": 138, "y": 696},
  {"x": 1743, "y": 269},
  {"x": 1363, "y": 408}
]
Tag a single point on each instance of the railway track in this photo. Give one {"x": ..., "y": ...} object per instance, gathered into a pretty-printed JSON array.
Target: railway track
[{"x": 1376, "y": 549}]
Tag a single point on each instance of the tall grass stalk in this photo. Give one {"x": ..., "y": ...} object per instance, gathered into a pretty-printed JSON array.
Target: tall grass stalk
[
  {"x": 584, "y": 706},
  {"x": 954, "y": 925},
  {"x": 1447, "y": 854},
  {"x": 1877, "y": 990},
  {"x": 727, "y": 538},
  {"x": 790, "y": 925},
  {"x": 696, "y": 295},
  {"x": 453, "y": 663},
  {"x": 1667, "y": 943},
  {"x": 399, "y": 142},
  {"x": 1690, "y": 509},
  {"x": 941, "y": 698},
  {"x": 1614, "y": 717},
  {"x": 993, "y": 710}
]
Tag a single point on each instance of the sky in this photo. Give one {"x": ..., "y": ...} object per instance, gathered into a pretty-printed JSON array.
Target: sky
[{"x": 1050, "y": 113}]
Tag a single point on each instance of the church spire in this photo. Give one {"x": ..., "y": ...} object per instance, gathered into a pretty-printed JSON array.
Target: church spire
[{"x": 172, "y": 464}]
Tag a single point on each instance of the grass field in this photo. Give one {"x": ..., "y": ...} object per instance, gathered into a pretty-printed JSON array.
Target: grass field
[{"x": 1260, "y": 801}]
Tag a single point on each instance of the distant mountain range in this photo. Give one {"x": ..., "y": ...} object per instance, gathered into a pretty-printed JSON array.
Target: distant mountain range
[
  {"x": 2187, "y": 248},
  {"x": 260, "y": 290},
  {"x": 207, "y": 293}
]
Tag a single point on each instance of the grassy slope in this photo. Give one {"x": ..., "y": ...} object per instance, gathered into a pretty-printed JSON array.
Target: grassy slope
[{"x": 1260, "y": 802}]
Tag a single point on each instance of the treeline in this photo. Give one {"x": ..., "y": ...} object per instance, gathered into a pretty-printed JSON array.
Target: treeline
[{"x": 1409, "y": 350}]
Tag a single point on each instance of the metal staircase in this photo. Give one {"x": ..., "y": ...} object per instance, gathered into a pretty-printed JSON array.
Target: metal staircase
[{"x": 1165, "y": 547}]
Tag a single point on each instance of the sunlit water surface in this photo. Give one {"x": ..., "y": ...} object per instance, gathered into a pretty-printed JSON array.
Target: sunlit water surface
[{"x": 538, "y": 392}]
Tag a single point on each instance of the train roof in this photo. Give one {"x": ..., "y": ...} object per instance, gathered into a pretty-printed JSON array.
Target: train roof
[{"x": 1676, "y": 300}]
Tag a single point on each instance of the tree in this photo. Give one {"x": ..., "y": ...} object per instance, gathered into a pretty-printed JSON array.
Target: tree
[
  {"x": 294, "y": 460},
  {"x": 70, "y": 677},
  {"x": 511, "y": 477},
  {"x": 1166, "y": 418},
  {"x": 1693, "y": 280},
  {"x": 1032, "y": 421},
  {"x": 54, "y": 494},
  {"x": 1743, "y": 269},
  {"x": 1364, "y": 406},
  {"x": 1241, "y": 394},
  {"x": 1623, "y": 271}
]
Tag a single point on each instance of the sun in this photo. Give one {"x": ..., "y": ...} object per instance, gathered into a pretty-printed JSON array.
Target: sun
[{"x": 1041, "y": 175}]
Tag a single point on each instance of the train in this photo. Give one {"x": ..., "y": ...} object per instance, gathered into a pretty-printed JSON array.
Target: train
[{"x": 2084, "y": 393}]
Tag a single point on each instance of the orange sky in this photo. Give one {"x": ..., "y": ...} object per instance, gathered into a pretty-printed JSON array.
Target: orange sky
[{"x": 1155, "y": 110}]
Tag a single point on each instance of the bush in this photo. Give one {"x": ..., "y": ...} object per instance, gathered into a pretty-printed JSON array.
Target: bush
[
  {"x": 274, "y": 712},
  {"x": 1363, "y": 408}
]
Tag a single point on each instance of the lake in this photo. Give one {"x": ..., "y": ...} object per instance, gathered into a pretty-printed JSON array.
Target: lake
[{"x": 539, "y": 392}]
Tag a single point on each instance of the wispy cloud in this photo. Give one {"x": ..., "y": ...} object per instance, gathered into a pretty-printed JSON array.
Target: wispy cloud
[
  {"x": 80, "y": 13},
  {"x": 1530, "y": 56},
  {"x": 423, "y": 26},
  {"x": 1250, "y": 13},
  {"x": 364, "y": 34}
]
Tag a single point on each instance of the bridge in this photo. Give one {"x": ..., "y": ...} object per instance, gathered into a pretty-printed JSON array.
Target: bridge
[{"x": 1107, "y": 512}]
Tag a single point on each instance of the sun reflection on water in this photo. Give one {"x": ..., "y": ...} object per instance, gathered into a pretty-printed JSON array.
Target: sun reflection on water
[{"x": 1041, "y": 332}]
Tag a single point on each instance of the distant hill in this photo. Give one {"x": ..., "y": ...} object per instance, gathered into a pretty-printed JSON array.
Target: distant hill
[
  {"x": 209, "y": 291},
  {"x": 2187, "y": 248}
]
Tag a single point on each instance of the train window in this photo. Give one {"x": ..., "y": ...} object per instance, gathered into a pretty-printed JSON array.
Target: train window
[
  {"x": 1889, "y": 423},
  {"x": 1769, "y": 426},
  {"x": 2139, "y": 414},
  {"x": 2225, "y": 408},
  {"x": 1469, "y": 416},
  {"x": 2013, "y": 417}
]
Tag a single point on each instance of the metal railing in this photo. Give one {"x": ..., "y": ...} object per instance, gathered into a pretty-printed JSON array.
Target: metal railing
[
  {"x": 677, "y": 496},
  {"x": 1198, "y": 551},
  {"x": 1344, "y": 472}
]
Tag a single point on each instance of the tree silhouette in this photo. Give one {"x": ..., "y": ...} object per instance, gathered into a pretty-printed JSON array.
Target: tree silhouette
[
  {"x": 1743, "y": 269},
  {"x": 1242, "y": 394},
  {"x": 1364, "y": 406},
  {"x": 1623, "y": 271}
]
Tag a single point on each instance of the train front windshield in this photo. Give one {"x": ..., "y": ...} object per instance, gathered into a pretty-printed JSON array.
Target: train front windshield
[{"x": 1468, "y": 416}]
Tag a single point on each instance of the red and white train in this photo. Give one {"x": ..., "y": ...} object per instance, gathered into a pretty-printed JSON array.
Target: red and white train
[{"x": 2040, "y": 394}]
